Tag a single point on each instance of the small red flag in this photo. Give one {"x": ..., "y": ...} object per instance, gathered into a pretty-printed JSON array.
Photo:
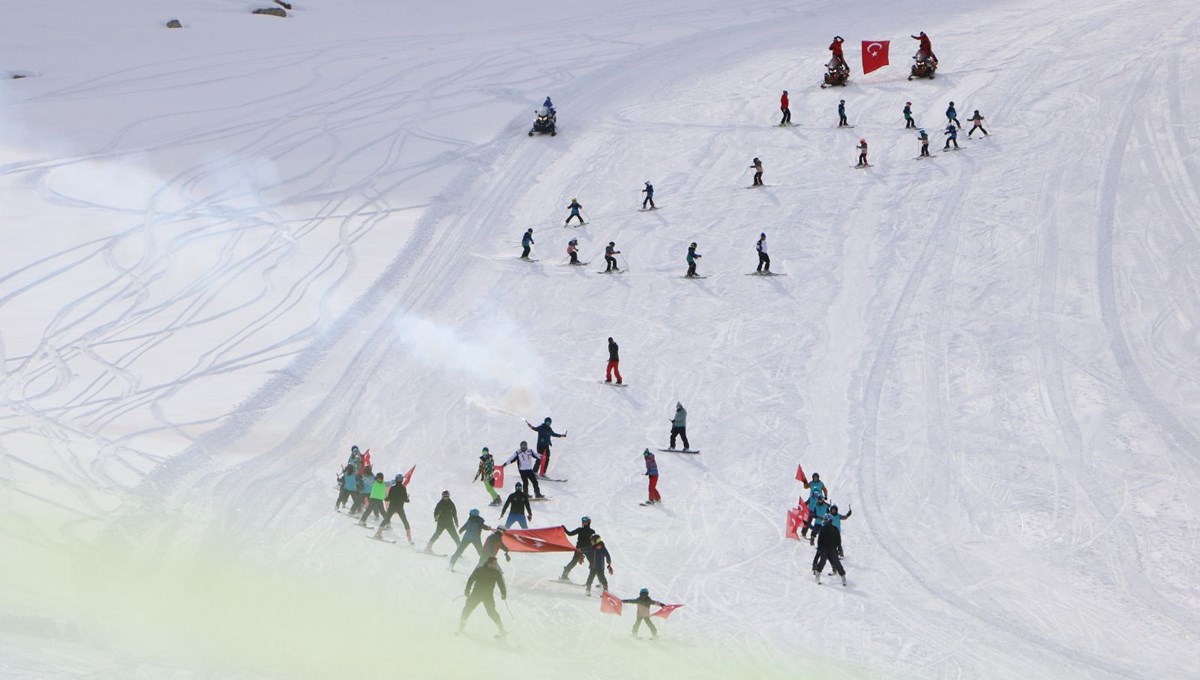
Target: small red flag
[
  {"x": 794, "y": 522},
  {"x": 874, "y": 54},
  {"x": 800, "y": 476},
  {"x": 610, "y": 604},
  {"x": 408, "y": 475},
  {"x": 367, "y": 459},
  {"x": 498, "y": 478},
  {"x": 666, "y": 610}
]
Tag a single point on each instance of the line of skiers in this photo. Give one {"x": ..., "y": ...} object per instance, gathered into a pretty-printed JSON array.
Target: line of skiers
[{"x": 824, "y": 528}]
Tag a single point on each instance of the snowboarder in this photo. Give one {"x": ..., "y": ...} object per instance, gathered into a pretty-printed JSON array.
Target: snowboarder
[
  {"x": 573, "y": 251},
  {"x": 758, "y": 170},
  {"x": 583, "y": 546},
  {"x": 764, "y": 260},
  {"x": 842, "y": 114},
  {"x": 526, "y": 243},
  {"x": 397, "y": 496},
  {"x": 643, "y": 602},
  {"x": 518, "y": 507},
  {"x": 838, "y": 61},
  {"x": 545, "y": 432},
  {"x": 481, "y": 587},
  {"x": 862, "y": 152},
  {"x": 836, "y": 520},
  {"x": 908, "y": 119},
  {"x": 375, "y": 503},
  {"x": 951, "y": 137},
  {"x": 446, "y": 517},
  {"x": 952, "y": 116},
  {"x": 614, "y": 362},
  {"x": 924, "y": 48},
  {"x": 692, "y": 256},
  {"x": 649, "y": 191},
  {"x": 679, "y": 426},
  {"x": 600, "y": 560},
  {"x": 652, "y": 474},
  {"x": 347, "y": 485},
  {"x": 923, "y": 138},
  {"x": 787, "y": 112},
  {"x": 610, "y": 262},
  {"x": 976, "y": 124},
  {"x": 575, "y": 207},
  {"x": 472, "y": 531},
  {"x": 828, "y": 542},
  {"x": 487, "y": 473},
  {"x": 527, "y": 460}
]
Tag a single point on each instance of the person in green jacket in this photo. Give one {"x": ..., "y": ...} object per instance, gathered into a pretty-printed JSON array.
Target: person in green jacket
[
  {"x": 481, "y": 589},
  {"x": 375, "y": 505},
  {"x": 486, "y": 473}
]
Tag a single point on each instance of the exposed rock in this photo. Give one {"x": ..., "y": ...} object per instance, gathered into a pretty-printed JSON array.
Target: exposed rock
[
  {"x": 18, "y": 76},
  {"x": 174, "y": 23},
  {"x": 273, "y": 11},
  {"x": 285, "y": 5}
]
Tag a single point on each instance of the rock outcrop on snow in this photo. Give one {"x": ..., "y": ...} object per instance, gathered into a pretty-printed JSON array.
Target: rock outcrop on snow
[{"x": 272, "y": 11}]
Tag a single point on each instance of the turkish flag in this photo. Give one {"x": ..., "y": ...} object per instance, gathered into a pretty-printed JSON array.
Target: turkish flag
[
  {"x": 800, "y": 476},
  {"x": 498, "y": 477},
  {"x": 795, "y": 520},
  {"x": 610, "y": 604},
  {"x": 367, "y": 459},
  {"x": 408, "y": 475},
  {"x": 666, "y": 610},
  {"x": 874, "y": 54},
  {"x": 550, "y": 539}
]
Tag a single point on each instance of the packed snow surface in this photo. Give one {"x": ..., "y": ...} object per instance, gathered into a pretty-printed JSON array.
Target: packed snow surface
[{"x": 234, "y": 249}]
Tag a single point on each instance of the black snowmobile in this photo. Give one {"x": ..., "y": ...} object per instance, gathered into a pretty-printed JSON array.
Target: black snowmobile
[
  {"x": 545, "y": 122},
  {"x": 836, "y": 74},
  {"x": 923, "y": 67}
]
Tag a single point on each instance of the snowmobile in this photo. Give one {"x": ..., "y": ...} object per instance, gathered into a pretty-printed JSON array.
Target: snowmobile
[
  {"x": 924, "y": 67},
  {"x": 836, "y": 74},
  {"x": 546, "y": 121}
]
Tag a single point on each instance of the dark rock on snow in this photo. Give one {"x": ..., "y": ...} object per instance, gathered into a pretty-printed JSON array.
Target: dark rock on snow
[
  {"x": 174, "y": 23},
  {"x": 273, "y": 11}
]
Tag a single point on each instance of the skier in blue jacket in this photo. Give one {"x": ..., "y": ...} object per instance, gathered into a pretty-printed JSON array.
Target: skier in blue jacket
[
  {"x": 951, "y": 137},
  {"x": 952, "y": 116},
  {"x": 348, "y": 484},
  {"x": 575, "y": 207},
  {"x": 471, "y": 530},
  {"x": 842, "y": 114},
  {"x": 836, "y": 520},
  {"x": 526, "y": 242},
  {"x": 649, "y": 191}
]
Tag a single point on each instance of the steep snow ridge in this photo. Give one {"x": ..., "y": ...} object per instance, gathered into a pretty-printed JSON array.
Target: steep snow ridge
[{"x": 989, "y": 354}]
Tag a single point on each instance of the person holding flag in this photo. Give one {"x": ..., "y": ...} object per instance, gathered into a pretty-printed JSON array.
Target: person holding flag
[
  {"x": 643, "y": 602},
  {"x": 527, "y": 461},
  {"x": 583, "y": 546},
  {"x": 397, "y": 496},
  {"x": 486, "y": 474},
  {"x": 545, "y": 433}
]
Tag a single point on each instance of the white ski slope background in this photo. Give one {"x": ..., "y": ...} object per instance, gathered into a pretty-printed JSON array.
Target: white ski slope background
[{"x": 233, "y": 250}]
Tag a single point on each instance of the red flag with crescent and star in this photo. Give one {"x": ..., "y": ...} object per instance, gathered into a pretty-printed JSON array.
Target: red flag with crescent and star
[
  {"x": 666, "y": 610},
  {"x": 610, "y": 604},
  {"x": 550, "y": 539},
  {"x": 874, "y": 54}
]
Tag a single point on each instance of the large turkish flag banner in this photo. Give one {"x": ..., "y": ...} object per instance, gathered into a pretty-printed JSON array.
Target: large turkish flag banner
[{"x": 874, "y": 54}]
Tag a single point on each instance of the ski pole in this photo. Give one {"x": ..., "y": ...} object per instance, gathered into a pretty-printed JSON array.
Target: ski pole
[
  {"x": 510, "y": 614},
  {"x": 625, "y": 261}
]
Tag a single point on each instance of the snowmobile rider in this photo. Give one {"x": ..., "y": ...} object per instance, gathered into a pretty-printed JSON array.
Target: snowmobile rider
[
  {"x": 925, "y": 48},
  {"x": 838, "y": 60}
]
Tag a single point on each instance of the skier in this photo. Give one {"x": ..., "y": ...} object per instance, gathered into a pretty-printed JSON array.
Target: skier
[
  {"x": 924, "y": 139},
  {"x": 347, "y": 485},
  {"x": 518, "y": 507},
  {"x": 614, "y": 362},
  {"x": 487, "y": 473},
  {"x": 818, "y": 517},
  {"x": 836, "y": 520},
  {"x": 787, "y": 112},
  {"x": 573, "y": 251},
  {"x": 643, "y": 602},
  {"x": 527, "y": 461},
  {"x": 481, "y": 587},
  {"x": 838, "y": 60},
  {"x": 526, "y": 243},
  {"x": 679, "y": 426},
  {"x": 924, "y": 49},
  {"x": 652, "y": 473},
  {"x": 610, "y": 262},
  {"x": 575, "y": 207},
  {"x": 842, "y": 114},
  {"x": 493, "y": 545},
  {"x": 397, "y": 496},
  {"x": 446, "y": 516},
  {"x": 816, "y": 496},
  {"x": 976, "y": 124},
  {"x": 692, "y": 256},
  {"x": 375, "y": 504},
  {"x": 758, "y": 170},
  {"x": 764, "y": 260},
  {"x": 951, "y": 137},
  {"x": 471, "y": 530},
  {"x": 362, "y": 488},
  {"x": 545, "y": 432},
  {"x": 583, "y": 546},
  {"x": 828, "y": 543},
  {"x": 600, "y": 560},
  {"x": 908, "y": 119},
  {"x": 952, "y": 115},
  {"x": 862, "y": 152},
  {"x": 356, "y": 459},
  {"x": 649, "y": 191}
]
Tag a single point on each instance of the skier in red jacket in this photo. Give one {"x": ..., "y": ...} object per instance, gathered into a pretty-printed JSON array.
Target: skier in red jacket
[
  {"x": 787, "y": 112},
  {"x": 836, "y": 48}
]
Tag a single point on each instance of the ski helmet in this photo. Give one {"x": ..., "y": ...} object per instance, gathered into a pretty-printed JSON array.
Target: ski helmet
[
  {"x": 585, "y": 520},
  {"x": 908, "y": 103},
  {"x": 693, "y": 244},
  {"x": 644, "y": 591},
  {"x": 612, "y": 243},
  {"x": 595, "y": 539},
  {"x": 474, "y": 512},
  {"x": 574, "y": 199},
  {"x": 763, "y": 235},
  {"x": 862, "y": 140},
  {"x": 399, "y": 477},
  {"x": 354, "y": 449},
  {"x": 833, "y": 508},
  {"x": 547, "y": 421},
  {"x": 816, "y": 476},
  {"x": 379, "y": 476},
  {"x": 951, "y": 103},
  {"x": 647, "y": 182},
  {"x": 646, "y": 453},
  {"x": 524, "y": 443},
  {"x": 841, "y": 101}
]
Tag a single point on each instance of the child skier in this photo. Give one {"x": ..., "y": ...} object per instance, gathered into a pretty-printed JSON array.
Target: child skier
[
  {"x": 610, "y": 262},
  {"x": 573, "y": 251},
  {"x": 649, "y": 191},
  {"x": 787, "y": 112},
  {"x": 951, "y": 137},
  {"x": 446, "y": 517},
  {"x": 758, "y": 170},
  {"x": 977, "y": 124},
  {"x": 643, "y": 602},
  {"x": 828, "y": 543},
  {"x": 600, "y": 560},
  {"x": 526, "y": 243},
  {"x": 923, "y": 138},
  {"x": 481, "y": 587},
  {"x": 817, "y": 518},
  {"x": 908, "y": 119},
  {"x": 862, "y": 152},
  {"x": 614, "y": 362},
  {"x": 487, "y": 473},
  {"x": 518, "y": 507},
  {"x": 583, "y": 546},
  {"x": 836, "y": 520},
  {"x": 842, "y": 114},
  {"x": 545, "y": 432},
  {"x": 347, "y": 485},
  {"x": 575, "y": 207},
  {"x": 952, "y": 116},
  {"x": 679, "y": 426},
  {"x": 375, "y": 503},
  {"x": 764, "y": 260},
  {"x": 692, "y": 255},
  {"x": 472, "y": 530},
  {"x": 527, "y": 460},
  {"x": 397, "y": 496},
  {"x": 652, "y": 474}
]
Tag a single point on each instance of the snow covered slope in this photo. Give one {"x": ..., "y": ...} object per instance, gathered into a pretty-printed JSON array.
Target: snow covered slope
[{"x": 237, "y": 248}]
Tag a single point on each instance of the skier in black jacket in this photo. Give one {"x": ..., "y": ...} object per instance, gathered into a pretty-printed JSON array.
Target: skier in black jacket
[
  {"x": 614, "y": 362},
  {"x": 828, "y": 542},
  {"x": 472, "y": 531},
  {"x": 396, "y": 498},
  {"x": 545, "y": 432},
  {"x": 481, "y": 587},
  {"x": 600, "y": 559},
  {"x": 493, "y": 545},
  {"x": 583, "y": 546},
  {"x": 446, "y": 516},
  {"x": 518, "y": 508}
]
